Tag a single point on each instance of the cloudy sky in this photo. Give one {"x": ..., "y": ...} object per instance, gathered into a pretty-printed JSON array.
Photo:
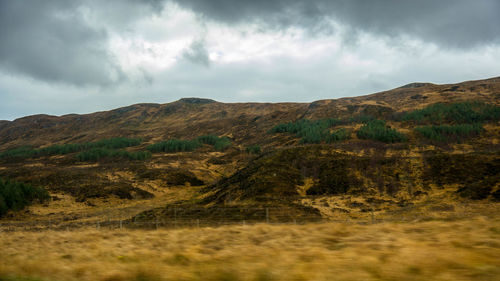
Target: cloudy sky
[{"x": 59, "y": 57}]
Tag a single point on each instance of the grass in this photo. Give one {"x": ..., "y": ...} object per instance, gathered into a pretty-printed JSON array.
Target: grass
[{"x": 434, "y": 250}]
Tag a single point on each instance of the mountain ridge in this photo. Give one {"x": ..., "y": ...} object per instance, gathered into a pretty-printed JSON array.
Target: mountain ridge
[{"x": 154, "y": 121}]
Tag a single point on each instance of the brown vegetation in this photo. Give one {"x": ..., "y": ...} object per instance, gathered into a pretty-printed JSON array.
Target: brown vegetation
[{"x": 463, "y": 249}]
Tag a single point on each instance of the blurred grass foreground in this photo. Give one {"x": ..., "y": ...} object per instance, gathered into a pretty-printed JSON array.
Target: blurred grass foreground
[{"x": 459, "y": 249}]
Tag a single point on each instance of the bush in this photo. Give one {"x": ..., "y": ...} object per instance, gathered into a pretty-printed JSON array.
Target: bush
[
  {"x": 458, "y": 113},
  {"x": 15, "y": 195},
  {"x": 254, "y": 149},
  {"x": 378, "y": 130},
  {"x": 222, "y": 143},
  {"x": 449, "y": 132}
]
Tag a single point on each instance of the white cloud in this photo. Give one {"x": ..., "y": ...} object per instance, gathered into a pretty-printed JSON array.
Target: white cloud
[{"x": 246, "y": 63}]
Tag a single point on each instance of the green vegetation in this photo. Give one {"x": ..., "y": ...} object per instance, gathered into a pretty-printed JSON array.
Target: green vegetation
[
  {"x": 15, "y": 195},
  {"x": 28, "y": 152},
  {"x": 115, "y": 143},
  {"x": 449, "y": 132},
  {"x": 338, "y": 135},
  {"x": 458, "y": 113},
  {"x": 378, "y": 130},
  {"x": 18, "y": 153},
  {"x": 254, "y": 149},
  {"x": 313, "y": 131},
  {"x": 219, "y": 143},
  {"x": 208, "y": 139},
  {"x": 361, "y": 118},
  {"x": 96, "y": 154},
  {"x": 222, "y": 144},
  {"x": 174, "y": 145}
]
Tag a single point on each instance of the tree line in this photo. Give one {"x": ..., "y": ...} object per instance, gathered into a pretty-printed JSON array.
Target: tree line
[
  {"x": 380, "y": 131},
  {"x": 29, "y": 152},
  {"x": 449, "y": 132},
  {"x": 454, "y": 113},
  {"x": 177, "y": 145},
  {"x": 96, "y": 154},
  {"x": 313, "y": 131}
]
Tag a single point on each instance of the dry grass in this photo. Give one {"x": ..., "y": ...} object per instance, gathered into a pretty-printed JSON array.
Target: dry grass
[{"x": 436, "y": 250}]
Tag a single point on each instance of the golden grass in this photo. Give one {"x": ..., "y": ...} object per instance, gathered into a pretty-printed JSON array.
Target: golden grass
[{"x": 436, "y": 250}]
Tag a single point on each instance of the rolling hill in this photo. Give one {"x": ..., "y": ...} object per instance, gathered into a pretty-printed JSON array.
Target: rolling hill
[{"x": 419, "y": 143}]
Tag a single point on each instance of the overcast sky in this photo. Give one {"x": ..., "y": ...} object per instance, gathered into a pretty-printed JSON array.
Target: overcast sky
[{"x": 81, "y": 56}]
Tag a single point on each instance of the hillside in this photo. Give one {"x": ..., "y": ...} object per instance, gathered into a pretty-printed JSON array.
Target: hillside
[{"x": 417, "y": 144}]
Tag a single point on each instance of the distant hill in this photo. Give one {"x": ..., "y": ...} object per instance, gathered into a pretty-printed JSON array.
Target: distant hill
[
  {"x": 246, "y": 122},
  {"x": 401, "y": 146}
]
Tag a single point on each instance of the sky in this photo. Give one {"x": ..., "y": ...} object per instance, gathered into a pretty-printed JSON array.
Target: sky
[{"x": 59, "y": 57}]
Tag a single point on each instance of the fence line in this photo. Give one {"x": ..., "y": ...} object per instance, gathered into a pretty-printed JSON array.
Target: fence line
[{"x": 176, "y": 217}]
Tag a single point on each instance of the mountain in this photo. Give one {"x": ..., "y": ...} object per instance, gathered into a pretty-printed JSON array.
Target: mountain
[{"x": 399, "y": 147}]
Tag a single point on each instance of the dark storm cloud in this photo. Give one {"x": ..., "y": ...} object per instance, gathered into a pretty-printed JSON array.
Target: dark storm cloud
[
  {"x": 450, "y": 23},
  {"x": 52, "y": 41},
  {"x": 197, "y": 53}
]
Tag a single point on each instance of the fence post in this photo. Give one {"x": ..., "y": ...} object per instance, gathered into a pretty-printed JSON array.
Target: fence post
[
  {"x": 98, "y": 225},
  {"x": 373, "y": 215},
  {"x": 156, "y": 223},
  {"x": 198, "y": 223},
  {"x": 50, "y": 224},
  {"x": 267, "y": 215},
  {"x": 121, "y": 224},
  {"x": 175, "y": 217}
]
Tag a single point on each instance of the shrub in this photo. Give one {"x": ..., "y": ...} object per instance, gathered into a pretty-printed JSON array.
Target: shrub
[
  {"x": 15, "y": 195},
  {"x": 222, "y": 144},
  {"x": 254, "y": 149},
  {"x": 378, "y": 130},
  {"x": 449, "y": 132}
]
